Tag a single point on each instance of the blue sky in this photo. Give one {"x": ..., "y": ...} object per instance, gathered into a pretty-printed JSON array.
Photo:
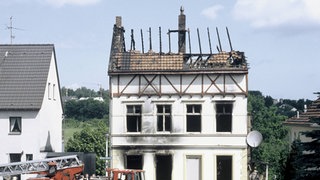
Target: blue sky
[{"x": 281, "y": 39}]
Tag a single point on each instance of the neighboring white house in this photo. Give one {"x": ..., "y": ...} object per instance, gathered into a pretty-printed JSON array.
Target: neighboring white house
[
  {"x": 301, "y": 122},
  {"x": 31, "y": 111},
  {"x": 178, "y": 115}
]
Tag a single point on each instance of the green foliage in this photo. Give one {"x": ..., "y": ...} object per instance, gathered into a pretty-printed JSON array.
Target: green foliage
[
  {"x": 80, "y": 92},
  {"x": 274, "y": 147},
  {"x": 91, "y": 139},
  {"x": 306, "y": 162},
  {"x": 86, "y": 109},
  {"x": 286, "y": 106},
  {"x": 84, "y": 92},
  {"x": 293, "y": 165}
]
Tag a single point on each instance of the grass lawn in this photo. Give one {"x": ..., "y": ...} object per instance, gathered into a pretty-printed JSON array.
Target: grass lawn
[{"x": 68, "y": 133}]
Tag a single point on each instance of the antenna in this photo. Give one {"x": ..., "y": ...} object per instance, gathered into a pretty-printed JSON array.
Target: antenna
[{"x": 11, "y": 29}]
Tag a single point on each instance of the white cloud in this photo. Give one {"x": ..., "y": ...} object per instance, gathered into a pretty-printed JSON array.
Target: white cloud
[
  {"x": 212, "y": 12},
  {"x": 60, "y": 3},
  {"x": 277, "y": 13}
]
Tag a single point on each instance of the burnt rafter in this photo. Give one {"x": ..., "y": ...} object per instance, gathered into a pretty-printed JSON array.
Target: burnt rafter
[{"x": 136, "y": 61}]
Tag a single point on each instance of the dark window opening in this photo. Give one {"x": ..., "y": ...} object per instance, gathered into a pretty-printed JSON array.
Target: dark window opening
[
  {"x": 29, "y": 157},
  {"x": 134, "y": 162},
  {"x": 15, "y": 157},
  {"x": 193, "y": 118},
  {"x": 164, "y": 117},
  {"x": 224, "y": 167},
  {"x": 163, "y": 167},
  {"x": 224, "y": 117},
  {"x": 133, "y": 118}
]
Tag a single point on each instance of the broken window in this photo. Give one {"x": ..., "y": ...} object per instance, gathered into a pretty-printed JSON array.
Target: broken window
[
  {"x": 224, "y": 116},
  {"x": 193, "y": 171},
  {"x": 134, "y": 118},
  {"x": 224, "y": 167},
  {"x": 15, "y": 125},
  {"x": 193, "y": 118},
  {"x": 164, "y": 117},
  {"x": 134, "y": 162},
  {"x": 163, "y": 167}
]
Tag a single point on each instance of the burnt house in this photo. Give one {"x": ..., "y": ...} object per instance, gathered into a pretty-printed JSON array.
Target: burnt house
[{"x": 178, "y": 115}]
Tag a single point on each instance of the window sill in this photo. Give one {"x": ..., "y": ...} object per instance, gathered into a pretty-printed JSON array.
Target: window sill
[
  {"x": 224, "y": 132},
  {"x": 163, "y": 132},
  {"x": 14, "y": 133},
  {"x": 133, "y": 132},
  {"x": 193, "y": 132}
]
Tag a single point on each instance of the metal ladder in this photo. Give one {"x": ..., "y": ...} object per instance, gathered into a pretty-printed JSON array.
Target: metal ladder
[{"x": 35, "y": 166}]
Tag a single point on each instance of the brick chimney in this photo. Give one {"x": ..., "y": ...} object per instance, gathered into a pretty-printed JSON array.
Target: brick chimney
[{"x": 182, "y": 31}]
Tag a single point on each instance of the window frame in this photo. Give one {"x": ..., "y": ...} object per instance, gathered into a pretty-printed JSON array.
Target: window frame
[
  {"x": 134, "y": 114},
  {"x": 12, "y": 121},
  {"x": 164, "y": 116},
  {"x": 219, "y": 122},
  {"x": 193, "y": 114}
]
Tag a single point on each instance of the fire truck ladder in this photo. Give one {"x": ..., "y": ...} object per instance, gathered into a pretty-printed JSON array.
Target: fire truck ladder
[{"x": 37, "y": 166}]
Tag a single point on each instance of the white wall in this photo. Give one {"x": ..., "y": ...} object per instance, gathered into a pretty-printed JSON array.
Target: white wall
[{"x": 51, "y": 114}]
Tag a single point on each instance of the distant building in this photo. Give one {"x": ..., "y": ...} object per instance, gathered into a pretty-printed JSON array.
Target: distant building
[
  {"x": 178, "y": 115},
  {"x": 301, "y": 122},
  {"x": 30, "y": 104}
]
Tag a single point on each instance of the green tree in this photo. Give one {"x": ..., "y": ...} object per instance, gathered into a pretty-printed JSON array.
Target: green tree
[
  {"x": 84, "y": 92},
  {"x": 292, "y": 165},
  {"x": 91, "y": 139},
  {"x": 266, "y": 120},
  {"x": 307, "y": 161},
  {"x": 86, "y": 109}
]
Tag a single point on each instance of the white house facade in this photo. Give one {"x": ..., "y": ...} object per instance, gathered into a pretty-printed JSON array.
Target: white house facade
[
  {"x": 301, "y": 123},
  {"x": 178, "y": 115},
  {"x": 31, "y": 111}
]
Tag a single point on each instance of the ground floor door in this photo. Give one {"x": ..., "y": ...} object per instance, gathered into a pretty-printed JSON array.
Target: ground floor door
[{"x": 163, "y": 167}]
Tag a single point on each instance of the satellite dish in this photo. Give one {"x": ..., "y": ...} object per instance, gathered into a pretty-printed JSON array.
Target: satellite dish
[{"x": 254, "y": 138}]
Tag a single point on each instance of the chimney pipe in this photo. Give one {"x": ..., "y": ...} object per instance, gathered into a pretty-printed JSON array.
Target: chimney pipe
[
  {"x": 182, "y": 31},
  {"x": 118, "y": 21}
]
